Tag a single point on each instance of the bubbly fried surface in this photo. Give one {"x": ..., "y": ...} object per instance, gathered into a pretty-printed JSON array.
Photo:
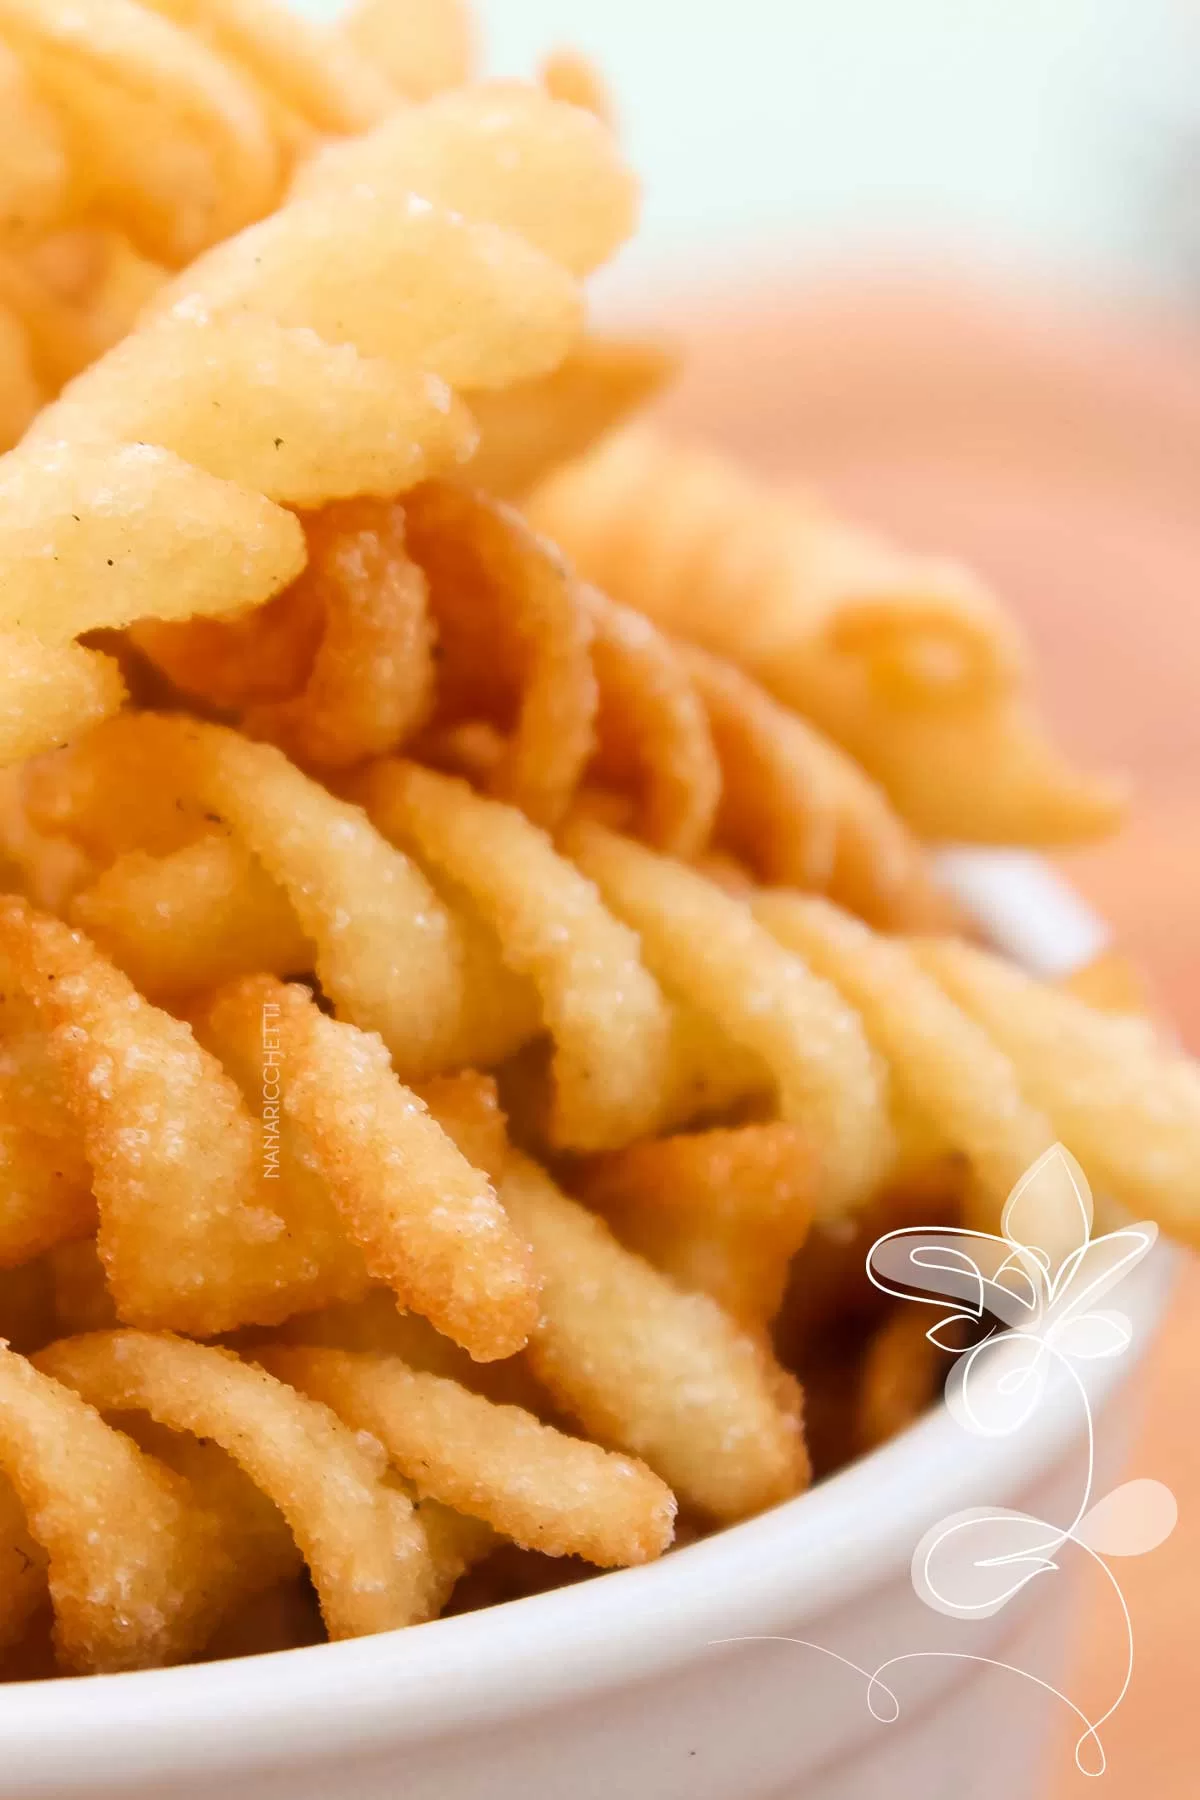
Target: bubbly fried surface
[
  {"x": 708, "y": 947},
  {"x": 370, "y": 686},
  {"x": 554, "y": 175},
  {"x": 538, "y": 1487},
  {"x": 428, "y": 1223},
  {"x": 663, "y": 1374},
  {"x": 606, "y": 1017},
  {"x": 192, "y": 919},
  {"x": 130, "y": 1572},
  {"x": 909, "y": 664},
  {"x": 457, "y": 968},
  {"x": 48, "y": 691},
  {"x": 362, "y": 1542},
  {"x": 1127, "y": 1100},
  {"x": 652, "y": 730},
  {"x": 949, "y": 1069},
  {"x": 721, "y": 1212},
  {"x": 488, "y": 572}
]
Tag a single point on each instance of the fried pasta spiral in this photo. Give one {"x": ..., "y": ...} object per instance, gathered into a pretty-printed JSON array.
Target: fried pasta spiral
[
  {"x": 907, "y": 662},
  {"x": 157, "y": 484},
  {"x": 139, "y": 133},
  {"x": 464, "y": 1020}
]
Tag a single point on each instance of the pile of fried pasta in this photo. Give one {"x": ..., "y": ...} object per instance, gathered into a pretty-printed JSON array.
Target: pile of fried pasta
[{"x": 472, "y": 979}]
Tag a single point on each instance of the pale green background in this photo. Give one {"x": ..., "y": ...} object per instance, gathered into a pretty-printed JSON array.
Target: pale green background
[{"x": 1041, "y": 134}]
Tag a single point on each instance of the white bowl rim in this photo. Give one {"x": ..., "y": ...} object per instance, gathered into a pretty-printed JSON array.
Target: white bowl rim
[{"x": 800, "y": 1559}]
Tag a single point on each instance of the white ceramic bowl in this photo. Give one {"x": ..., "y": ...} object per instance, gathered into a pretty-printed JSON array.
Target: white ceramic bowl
[{"x": 629, "y": 1685}]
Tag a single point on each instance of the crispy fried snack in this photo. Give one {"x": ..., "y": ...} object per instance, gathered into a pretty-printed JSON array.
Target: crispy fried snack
[
  {"x": 428, "y": 1223},
  {"x": 370, "y": 686},
  {"x": 652, "y": 733},
  {"x": 707, "y": 948},
  {"x": 488, "y": 572},
  {"x": 909, "y": 664},
  {"x": 48, "y": 1180},
  {"x": 295, "y": 302},
  {"x": 362, "y": 1541},
  {"x": 406, "y": 815},
  {"x": 532, "y": 427},
  {"x": 192, "y": 919},
  {"x": 664, "y": 1374},
  {"x": 139, "y": 133},
  {"x": 552, "y": 175},
  {"x": 607, "y": 1018},
  {"x": 198, "y": 1226},
  {"x": 390, "y": 954},
  {"x": 175, "y": 119},
  {"x": 165, "y": 138},
  {"x": 801, "y": 813},
  {"x": 189, "y": 1233},
  {"x": 944, "y": 1066},
  {"x": 133, "y": 1571},
  {"x": 1126, "y": 1101},
  {"x": 900, "y": 1375},
  {"x": 48, "y": 692},
  {"x": 533, "y": 1484},
  {"x": 721, "y": 1212}
]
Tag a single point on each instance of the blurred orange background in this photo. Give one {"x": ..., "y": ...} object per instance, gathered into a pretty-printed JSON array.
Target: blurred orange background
[{"x": 1058, "y": 453}]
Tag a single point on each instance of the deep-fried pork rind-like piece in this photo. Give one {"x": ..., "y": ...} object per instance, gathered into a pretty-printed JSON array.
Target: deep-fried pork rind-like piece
[
  {"x": 363, "y": 1543},
  {"x": 665, "y": 1375},
  {"x": 606, "y": 1016},
  {"x": 721, "y": 1212},
  {"x": 708, "y": 949},
  {"x": 533, "y": 1484},
  {"x": 428, "y": 1223}
]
